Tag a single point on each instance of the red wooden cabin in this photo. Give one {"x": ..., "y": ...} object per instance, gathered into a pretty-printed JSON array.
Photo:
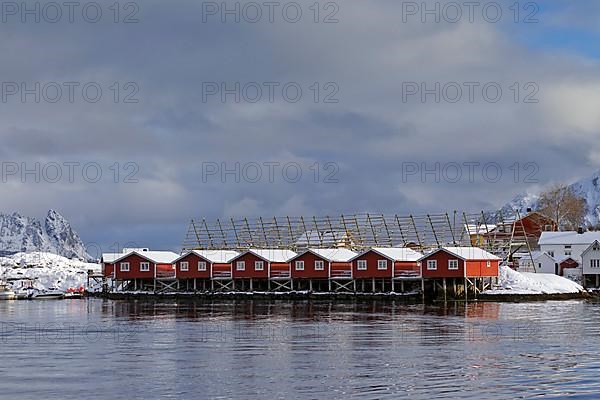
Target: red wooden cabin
[
  {"x": 262, "y": 264},
  {"x": 144, "y": 264},
  {"x": 386, "y": 262},
  {"x": 322, "y": 264},
  {"x": 204, "y": 264},
  {"x": 459, "y": 262}
]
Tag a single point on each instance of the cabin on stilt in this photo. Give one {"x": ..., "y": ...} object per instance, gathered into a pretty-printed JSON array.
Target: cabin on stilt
[
  {"x": 204, "y": 269},
  {"x": 260, "y": 269}
]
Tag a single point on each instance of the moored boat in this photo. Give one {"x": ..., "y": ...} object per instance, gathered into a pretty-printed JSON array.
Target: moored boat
[
  {"x": 48, "y": 294},
  {"x": 6, "y": 293}
]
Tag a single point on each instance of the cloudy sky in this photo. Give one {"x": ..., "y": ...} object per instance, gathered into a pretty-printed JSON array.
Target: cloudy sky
[{"x": 245, "y": 109}]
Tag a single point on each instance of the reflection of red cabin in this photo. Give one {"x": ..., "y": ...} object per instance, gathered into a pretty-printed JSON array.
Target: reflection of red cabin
[
  {"x": 262, "y": 264},
  {"x": 567, "y": 263},
  {"x": 459, "y": 262},
  {"x": 144, "y": 265},
  {"x": 204, "y": 264},
  {"x": 322, "y": 264},
  {"x": 377, "y": 263}
]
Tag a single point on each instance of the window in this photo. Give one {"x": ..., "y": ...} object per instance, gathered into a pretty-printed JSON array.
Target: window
[
  {"x": 184, "y": 266},
  {"x": 381, "y": 264},
  {"x": 361, "y": 265},
  {"x": 201, "y": 265},
  {"x": 551, "y": 253},
  {"x": 240, "y": 266},
  {"x": 595, "y": 263},
  {"x": 567, "y": 252},
  {"x": 431, "y": 265},
  {"x": 144, "y": 266},
  {"x": 299, "y": 265},
  {"x": 567, "y": 246},
  {"x": 453, "y": 264},
  {"x": 124, "y": 267},
  {"x": 319, "y": 265},
  {"x": 259, "y": 265},
  {"x": 596, "y": 247},
  {"x": 489, "y": 264}
]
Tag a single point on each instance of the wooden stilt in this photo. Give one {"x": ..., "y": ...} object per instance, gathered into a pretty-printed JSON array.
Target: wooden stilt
[
  {"x": 251, "y": 285},
  {"x": 373, "y": 285},
  {"x": 445, "y": 291}
]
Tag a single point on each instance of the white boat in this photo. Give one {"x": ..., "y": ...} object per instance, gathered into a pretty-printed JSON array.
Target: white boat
[
  {"x": 23, "y": 293},
  {"x": 6, "y": 293},
  {"x": 48, "y": 294}
]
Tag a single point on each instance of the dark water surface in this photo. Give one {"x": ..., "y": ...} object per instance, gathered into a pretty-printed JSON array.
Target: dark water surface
[{"x": 311, "y": 350}]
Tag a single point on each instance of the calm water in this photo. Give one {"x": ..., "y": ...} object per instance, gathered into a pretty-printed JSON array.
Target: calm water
[{"x": 108, "y": 349}]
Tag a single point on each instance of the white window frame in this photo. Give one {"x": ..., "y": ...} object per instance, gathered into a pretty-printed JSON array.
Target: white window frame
[
  {"x": 299, "y": 265},
  {"x": 259, "y": 265},
  {"x": 361, "y": 265},
  {"x": 240, "y": 266},
  {"x": 595, "y": 263},
  {"x": 146, "y": 264},
  {"x": 122, "y": 267},
  {"x": 379, "y": 262},
  {"x": 452, "y": 262},
  {"x": 568, "y": 252},
  {"x": 201, "y": 265},
  {"x": 489, "y": 264},
  {"x": 319, "y": 265},
  {"x": 431, "y": 265},
  {"x": 184, "y": 266}
]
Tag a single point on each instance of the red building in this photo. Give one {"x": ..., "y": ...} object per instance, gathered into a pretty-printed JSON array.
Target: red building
[
  {"x": 459, "y": 262},
  {"x": 203, "y": 264},
  {"x": 322, "y": 264},
  {"x": 144, "y": 264},
  {"x": 262, "y": 264},
  {"x": 386, "y": 262}
]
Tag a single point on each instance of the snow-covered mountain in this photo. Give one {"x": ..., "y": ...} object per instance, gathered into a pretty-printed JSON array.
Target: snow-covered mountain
[
  {"x": 19, "y": 233},
  {"x": 588, "y": 188}
]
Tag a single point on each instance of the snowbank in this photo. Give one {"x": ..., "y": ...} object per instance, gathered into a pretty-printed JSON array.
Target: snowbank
[
  {"x": 513, "y": 282},
  {"x": 46, "y": 270}
]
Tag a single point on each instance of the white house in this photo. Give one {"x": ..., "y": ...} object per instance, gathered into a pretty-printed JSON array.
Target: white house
[
  {"x": 542, "y": 261},
  {"x": 560, "y": 245},
  {"x": 590, "y": 260}
]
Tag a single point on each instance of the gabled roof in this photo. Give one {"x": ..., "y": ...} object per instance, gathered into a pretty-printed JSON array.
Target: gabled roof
[
  {"x": 158, "y": 257},
  {"x": 270, "y": 255},
  {"x": 111, "y": 257},
  {"x": 394, "y": 253},
  {"x": 214, "y": 256},
  {"x": 595, "y": 242},
  {"x": 333, "y": 255},
  {"x": 465, "y": 253},
  {"x": 568, "y": 237}
]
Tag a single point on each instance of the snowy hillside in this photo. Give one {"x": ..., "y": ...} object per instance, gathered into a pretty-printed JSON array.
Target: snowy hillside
[
  {"x": 588, "y": 188},
  {"x": 19, "y": 233},
  {"x": 46, "y": 269}
]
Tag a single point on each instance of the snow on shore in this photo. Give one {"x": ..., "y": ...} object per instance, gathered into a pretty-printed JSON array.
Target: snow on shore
[
  {"x": 46, "y": 270},
  {"x": 514, "y": 282}
]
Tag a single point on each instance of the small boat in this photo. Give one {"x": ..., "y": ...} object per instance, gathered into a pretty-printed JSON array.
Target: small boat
[
  {"x": 6, "y": 293},
  {"x": 73, "y": 293},
  {"x": 48, "y": 294},
  {"x": 23, "y": 293}
]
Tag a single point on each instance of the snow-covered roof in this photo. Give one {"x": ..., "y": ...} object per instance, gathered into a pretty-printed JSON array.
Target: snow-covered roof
[
  {"x": 159, "y": 257},
  {"x": 334, "y": 255},
  {"x": 568, "y": 237},
  {"x": 534, "y": 255},
  {"x": 214, "y": 256},
  {"x": 273, "y": 255},
  {"x": 477, "y": 229},
  {"x": 466, "y": 253},
  {"x": 397, "y": 253},
  {"x": 111, "y": 257}
]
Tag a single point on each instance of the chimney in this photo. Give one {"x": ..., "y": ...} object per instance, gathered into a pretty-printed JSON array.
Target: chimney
[{"x": 580, "y": 230}]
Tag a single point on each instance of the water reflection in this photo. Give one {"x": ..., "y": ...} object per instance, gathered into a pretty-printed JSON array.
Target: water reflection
[{"x": 300, "y": 349}]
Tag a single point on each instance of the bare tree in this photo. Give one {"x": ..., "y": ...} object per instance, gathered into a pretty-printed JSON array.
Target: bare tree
[{"x": 564, "y": 206}]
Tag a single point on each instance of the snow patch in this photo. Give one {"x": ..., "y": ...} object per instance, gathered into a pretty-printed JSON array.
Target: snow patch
[
  {"x": 46, "y": 270},
  {"x": 514, "y": 282}
]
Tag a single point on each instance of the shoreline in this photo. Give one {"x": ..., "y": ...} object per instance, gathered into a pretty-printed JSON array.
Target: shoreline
[{"x": 412, "y": 297}]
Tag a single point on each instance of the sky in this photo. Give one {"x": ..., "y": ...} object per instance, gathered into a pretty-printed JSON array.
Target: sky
[{"x": 132, "y": 119}]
